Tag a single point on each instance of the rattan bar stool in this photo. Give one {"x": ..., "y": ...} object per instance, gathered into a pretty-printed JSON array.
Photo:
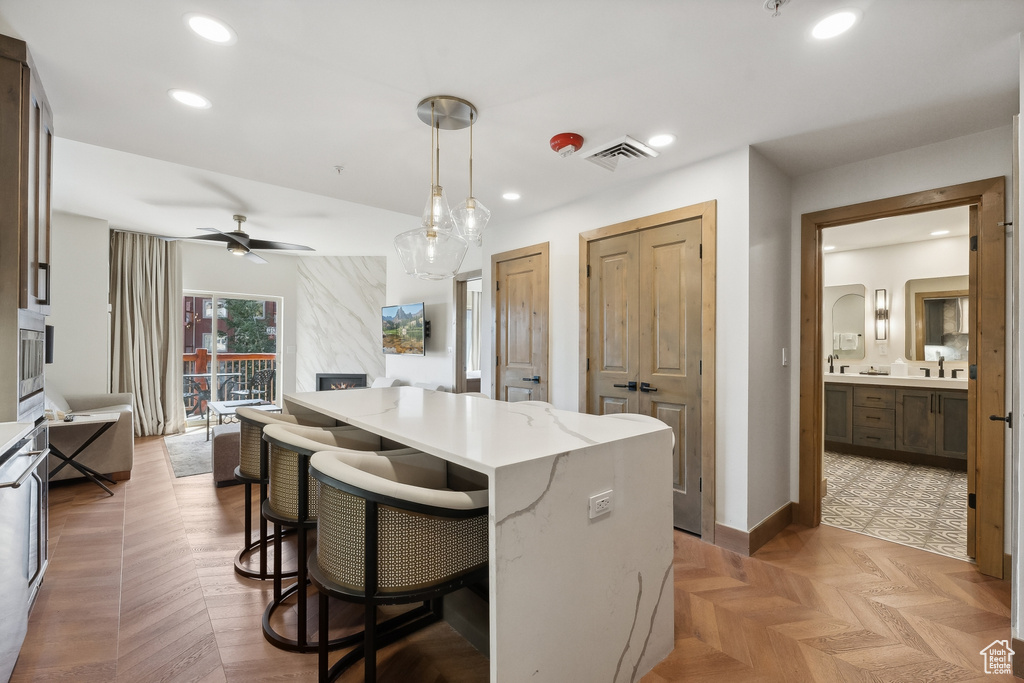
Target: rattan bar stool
[
  {"x": 292, "y": 503},
  {"x": 390, "y": 532},
  {"x": 252, "y": 469}
]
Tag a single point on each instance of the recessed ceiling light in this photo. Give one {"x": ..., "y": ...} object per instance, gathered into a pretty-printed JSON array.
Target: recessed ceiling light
[
  {"x": 511, "y": 196},
  {"x": 834, "y": 24},
  {"x": 662, "y": 140},
  {"x": 828, "y": 248},
  {"x": 939, "y": 232},
  {"x": 190, "y": 99},
  {"x": 213, "y": 30}
]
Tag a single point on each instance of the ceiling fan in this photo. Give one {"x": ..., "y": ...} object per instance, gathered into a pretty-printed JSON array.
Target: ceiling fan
[{"x": 240, "y": 244}]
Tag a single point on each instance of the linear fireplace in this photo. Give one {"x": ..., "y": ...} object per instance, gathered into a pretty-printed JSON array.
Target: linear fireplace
[{"x": 332, "y": 381}]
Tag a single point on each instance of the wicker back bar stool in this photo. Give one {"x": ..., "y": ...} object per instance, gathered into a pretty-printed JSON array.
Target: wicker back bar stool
[
  {"x": 292, "y": 504},
  {"x": 391, "y": 532},
  {"x": 252, "y": 469}
]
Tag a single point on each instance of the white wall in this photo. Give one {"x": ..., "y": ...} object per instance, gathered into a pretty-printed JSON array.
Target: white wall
[
  {"x": 724, "y": 179},
  {"x": 80, "y": 280},
  {"x": 209, "y": 268},
  {"x": 1017, "y": 500},
  {"x": 338, "y": 317},
  {"x": 960, "y": 160},
  {"x": 768, "y": 437},
  {"x": 889, "y": 268}
]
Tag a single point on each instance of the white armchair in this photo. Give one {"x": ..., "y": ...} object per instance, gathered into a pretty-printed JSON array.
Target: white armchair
[{"x": 113, "y": 453}]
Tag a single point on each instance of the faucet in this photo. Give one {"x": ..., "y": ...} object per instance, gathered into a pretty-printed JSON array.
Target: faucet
[
  {"x": 942, "y": 373},
  {"x": 831, "y": 368},
  {"x": 927, "y": 372},
  {"x": 842, "y": 369},
  {"x": 956, "y": 370}
]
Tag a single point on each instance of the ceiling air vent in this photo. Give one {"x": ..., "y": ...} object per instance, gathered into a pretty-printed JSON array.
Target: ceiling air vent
[{"x": 626, "y": 150}]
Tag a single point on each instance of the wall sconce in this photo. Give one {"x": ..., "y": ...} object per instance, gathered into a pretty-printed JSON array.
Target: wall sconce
[{"x": 881, "y": 315}]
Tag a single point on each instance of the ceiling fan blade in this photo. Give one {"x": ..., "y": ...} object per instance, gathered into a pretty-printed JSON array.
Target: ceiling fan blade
[
  {"x": 270, "y": 244},
  {"x": 216, "y": 237},
  {"x": 233, "y": 236},
  {"x": 255, "y": 258}
]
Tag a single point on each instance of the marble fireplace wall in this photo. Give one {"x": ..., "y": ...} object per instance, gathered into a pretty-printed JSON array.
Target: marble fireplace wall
[{"x": 338, "y": 317}]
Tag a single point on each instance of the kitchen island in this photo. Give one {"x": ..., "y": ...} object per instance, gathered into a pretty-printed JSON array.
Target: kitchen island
[{"x": 571, "y": 598}]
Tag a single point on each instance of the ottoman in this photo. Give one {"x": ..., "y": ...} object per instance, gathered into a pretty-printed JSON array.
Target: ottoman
[{"x": 225, "y": 454}]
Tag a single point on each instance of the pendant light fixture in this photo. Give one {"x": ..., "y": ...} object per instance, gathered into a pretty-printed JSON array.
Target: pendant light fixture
[
  {"x": 471, "y": 216},
  {"x": 435, "y": 250}
]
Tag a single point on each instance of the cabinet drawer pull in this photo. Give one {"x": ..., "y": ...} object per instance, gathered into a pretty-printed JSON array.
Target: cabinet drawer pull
[
  {"x": 872, "y": 417},
  {"x": 873, "y": 438}
]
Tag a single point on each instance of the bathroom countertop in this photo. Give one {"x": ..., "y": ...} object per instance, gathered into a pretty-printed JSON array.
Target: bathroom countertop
[{"x": 915, "y": 381}]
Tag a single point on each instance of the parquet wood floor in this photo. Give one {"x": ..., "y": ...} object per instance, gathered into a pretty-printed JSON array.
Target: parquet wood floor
[{"x": 141, "y": 588}]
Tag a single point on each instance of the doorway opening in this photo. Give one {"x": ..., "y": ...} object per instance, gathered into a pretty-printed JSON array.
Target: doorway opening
[
  {"x": 986, "y": 362},
  {"x": 896, "y": 325},
  {"x": 468, "y": 317},
  {"x": 231, "y": 350}
]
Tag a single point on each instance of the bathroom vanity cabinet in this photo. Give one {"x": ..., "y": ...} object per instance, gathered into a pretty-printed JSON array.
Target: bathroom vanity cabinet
[{"x": 909, "y": 424}]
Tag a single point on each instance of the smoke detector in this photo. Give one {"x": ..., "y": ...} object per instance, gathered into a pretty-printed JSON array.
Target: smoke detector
[
  {"x": 625, "y": 149},
  {"x": 566, "y": 143}
]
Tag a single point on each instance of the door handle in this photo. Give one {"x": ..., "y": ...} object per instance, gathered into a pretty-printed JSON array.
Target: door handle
[
  {"x": 535, "y": 379},
  {"x": 1008, "y": 419},
  {"x": 629, "y": 385},
  {"x": 646, "y": 387}
]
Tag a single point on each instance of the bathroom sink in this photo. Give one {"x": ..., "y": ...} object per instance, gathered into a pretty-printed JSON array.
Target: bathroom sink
[{"x": 872, "y": 372}]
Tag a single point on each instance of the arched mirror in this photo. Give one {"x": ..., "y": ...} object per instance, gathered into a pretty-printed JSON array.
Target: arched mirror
[{"x": 844, "y": 316}]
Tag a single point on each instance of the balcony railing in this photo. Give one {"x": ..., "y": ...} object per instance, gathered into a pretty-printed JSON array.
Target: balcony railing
[{"x": 233, "y": 373}]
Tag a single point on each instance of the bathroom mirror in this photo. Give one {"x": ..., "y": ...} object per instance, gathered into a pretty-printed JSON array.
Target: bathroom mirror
[
  {"x": 844, "y": 314},
  {"x": 938, "y": 318}
]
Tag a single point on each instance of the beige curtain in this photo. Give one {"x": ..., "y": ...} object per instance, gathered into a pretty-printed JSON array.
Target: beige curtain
[{"x": 146, "y": 339}]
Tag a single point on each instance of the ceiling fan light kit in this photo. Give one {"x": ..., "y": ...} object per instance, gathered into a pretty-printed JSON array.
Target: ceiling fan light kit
[
  {"x": 435, "y": 250},
  {"x": 239, "y": 243}
]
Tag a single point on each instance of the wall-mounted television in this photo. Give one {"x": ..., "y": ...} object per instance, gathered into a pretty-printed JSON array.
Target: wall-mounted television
[{"x": 403, "y": 329}]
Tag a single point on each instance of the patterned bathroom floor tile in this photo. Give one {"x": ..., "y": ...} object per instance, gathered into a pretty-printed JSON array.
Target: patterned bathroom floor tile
[{"x": 923, "y": 507}]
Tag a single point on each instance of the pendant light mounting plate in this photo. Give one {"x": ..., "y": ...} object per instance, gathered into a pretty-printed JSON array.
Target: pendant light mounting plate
[{"x": 449, "y": 113}]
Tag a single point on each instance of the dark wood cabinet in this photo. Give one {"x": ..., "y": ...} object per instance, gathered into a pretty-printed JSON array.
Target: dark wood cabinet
[
  {"x": 26, "y": 155},
  {"x": 925, "y": 426},
  {"x": 839, "y": 413},
  {"x": 915, "y": 420}
]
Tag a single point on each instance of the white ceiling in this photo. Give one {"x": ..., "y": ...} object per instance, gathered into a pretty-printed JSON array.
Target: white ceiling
[
  {"x": 915, "y": 227},
  {"x": 314, "y": 84}
]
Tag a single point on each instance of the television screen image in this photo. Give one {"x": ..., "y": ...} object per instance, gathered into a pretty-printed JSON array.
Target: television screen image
[{"x": 402, "y": 328}]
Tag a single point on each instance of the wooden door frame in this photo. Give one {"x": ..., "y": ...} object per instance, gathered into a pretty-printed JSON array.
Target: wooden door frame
[
  {"x": 542, "y": 249},
  {"x": 459, "y": 303},
  {"x": 989, "y": 198},
  {"x": 707, "y": 213}
]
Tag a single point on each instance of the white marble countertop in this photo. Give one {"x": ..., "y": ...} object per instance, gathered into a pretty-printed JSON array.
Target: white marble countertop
[
  {"x": 479, "y": 433},
  {"x": 11, "y": 432},
  {"x": 916, "y": 382}
]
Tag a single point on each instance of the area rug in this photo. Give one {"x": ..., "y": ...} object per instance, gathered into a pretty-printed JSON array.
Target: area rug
[{"x": 190, "y": 453}]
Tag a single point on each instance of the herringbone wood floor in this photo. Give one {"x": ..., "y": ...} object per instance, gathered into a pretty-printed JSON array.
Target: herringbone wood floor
[{"x": 141, "y": 588}]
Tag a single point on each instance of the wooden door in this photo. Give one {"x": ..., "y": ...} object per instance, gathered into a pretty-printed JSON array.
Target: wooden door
[
  {"x": 521, "y": 324},
  {"x": 613, "y": 342},
  {"x": 644, "y": 342},
  {"x": 670, "y": 353}
]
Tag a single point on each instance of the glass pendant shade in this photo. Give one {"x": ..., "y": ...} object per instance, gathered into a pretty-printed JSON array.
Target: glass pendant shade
[
  {"x": 431, "y": 254},
  {"x": 471, "y": 218},
  {"x": 436, "y": 213}
]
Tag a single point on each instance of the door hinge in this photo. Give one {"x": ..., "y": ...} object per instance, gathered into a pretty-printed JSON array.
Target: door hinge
[
  {"x": 588, "y": 365},
  {"x": 497, "y": 360},
  {"x": 700, "y": 251},
  {"x": 972, "y": 371},
  {"x": 972, "y": 500},
  {"x": 974, "y": 243},
  {"x": 588, "y": 271},
  {"x": 497, "y": 286},
  {"x": 700, "y": 365},
  {"x": 700, "y": 484}
]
